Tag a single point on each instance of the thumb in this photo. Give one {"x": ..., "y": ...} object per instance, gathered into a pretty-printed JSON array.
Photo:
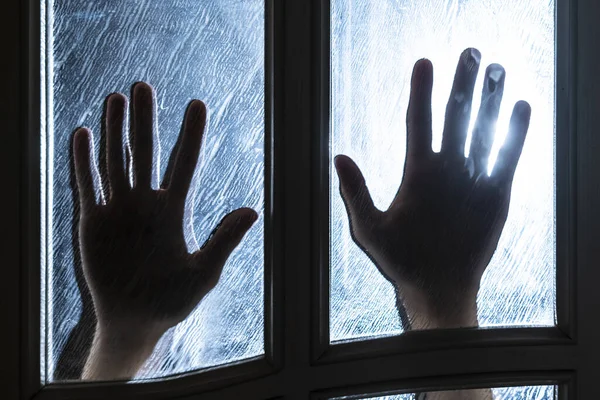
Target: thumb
[
  {"x": 223, "y": 240},
  {"x": 354, "y": 191}
]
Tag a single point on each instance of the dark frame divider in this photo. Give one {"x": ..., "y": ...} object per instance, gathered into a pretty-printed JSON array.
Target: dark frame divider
[
  {"x": 563, "y": 380},
  {"x": 299, "y": 359}
]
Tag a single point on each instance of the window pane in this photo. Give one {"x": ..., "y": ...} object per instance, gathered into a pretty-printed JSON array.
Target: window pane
[
  {"x": 373, "y": 49},
  {"x": 507, "y": 393},
  {"x": 208, "y": 50}
]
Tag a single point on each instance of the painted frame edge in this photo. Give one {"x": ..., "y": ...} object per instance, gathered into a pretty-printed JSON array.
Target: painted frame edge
[
  {"x": 563, "y": 379},
  {"x": 565, "y": 155},
  {"x": 31, "y": 386}
]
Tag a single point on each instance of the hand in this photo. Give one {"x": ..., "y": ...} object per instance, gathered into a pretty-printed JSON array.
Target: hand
[
  {"x": 442, "y": 228},
  {"x": 135, "y": 260}
]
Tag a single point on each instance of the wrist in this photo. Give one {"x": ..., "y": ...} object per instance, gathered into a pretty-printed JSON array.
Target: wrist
[
  {"x": 437, "y": 310},
  {"x": 118, "y": 352}
]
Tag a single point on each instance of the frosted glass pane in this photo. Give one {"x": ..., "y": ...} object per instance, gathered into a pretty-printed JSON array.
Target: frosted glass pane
[
  {"x": 507, "y": 393},
  {"x": 186, "y": 49},
  {"x": 373, "y": 48}
]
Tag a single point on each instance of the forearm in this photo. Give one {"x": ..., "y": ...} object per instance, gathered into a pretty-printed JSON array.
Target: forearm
[
  {"x": 418, "y": 313},
  {"x": 117, "y": 354}
]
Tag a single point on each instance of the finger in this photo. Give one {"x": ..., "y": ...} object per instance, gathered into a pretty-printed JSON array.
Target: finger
[
  {"x": 115, "y": 119},
  {"x": 354, "y": 191},
  {"x": 418, "y": 117},
  {"x": 508, "y": 157},
  {"x": 188, "y": 150},
  {"x": 458, "y": 111},
  {"x": 483, "y": 133},
  {"x": 223, "y": 240},
  {"x": 83, "y": 169},
  {"x": 142, "y": 132}
]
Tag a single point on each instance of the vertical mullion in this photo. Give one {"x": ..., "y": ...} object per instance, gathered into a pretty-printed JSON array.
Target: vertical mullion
[
  {"x": 321, "y": 22},
  {"x": 565, "y": 168},
  {"x": 295, "y": 169},
  {"x": 274, "y": 246},
  {"x": 588, "y": 197}
]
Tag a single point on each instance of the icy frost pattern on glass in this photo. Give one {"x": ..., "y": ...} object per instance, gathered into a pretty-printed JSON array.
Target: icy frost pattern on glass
[
  {"x": 374, "y": 46},
  {"x": 507, "y": 393},
  {"x": 211, "y": 50}
]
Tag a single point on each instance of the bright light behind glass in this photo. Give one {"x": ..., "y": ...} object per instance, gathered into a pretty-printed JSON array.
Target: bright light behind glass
[{"x": 373, "y": 49}]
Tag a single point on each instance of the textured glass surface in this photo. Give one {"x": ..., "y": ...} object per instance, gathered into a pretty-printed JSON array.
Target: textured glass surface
[
  {"x": 186, "y": 49},
  {"x": 373, "y": 49},
  {"x": 508, "y": 393}
]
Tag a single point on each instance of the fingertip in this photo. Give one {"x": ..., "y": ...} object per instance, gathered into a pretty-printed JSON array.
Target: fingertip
[
  {"x": 116, "y": 100},
  {"x": 198, "y": 106},
  {"x": 523, "y": 109},
  {"x": 337, "y": 161},
  {"x": 240, "y": 218},
  {"x": 247, "y": 214},
  {"x": 342, "y": 161},
  {"x": 196, "y": 112},
  {"x": 426, "y": 62},
  {"x": 495, "y": 71},
  {"x": 81, "y": 137},
  {"x": 244, "y": 222},
  {"x": 253, "y": 216},
  {"x": 422, "y": 72},
  {"x": 496, "y": 74},
  {"x": 348, "y": 172},
  {"x": 81, "y": 145},
  {"x": 116, "y": 106},
  {"x": 424, "y": 65},
  {"x": 343, "y": 164},
  {"x": 472, "y": 55},
  {"x": 141, "y": 85},
  {"x": 142, "y": 90}
]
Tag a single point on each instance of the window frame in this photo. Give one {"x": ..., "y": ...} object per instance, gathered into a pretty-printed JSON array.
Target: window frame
[
  {"x": 563, "y": 332},
  {"x": 32, "y": 364},
  {"x": 563, "y": 379},
  {"x": 299, "y": 359}
]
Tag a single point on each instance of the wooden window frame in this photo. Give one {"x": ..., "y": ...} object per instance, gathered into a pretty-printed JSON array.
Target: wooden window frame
[{"x": 299, "y": 362}]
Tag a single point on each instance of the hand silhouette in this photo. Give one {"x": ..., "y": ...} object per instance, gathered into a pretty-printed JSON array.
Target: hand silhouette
[
  {"x": 142, "y": 279},
  {"x": 438, "y": 235}
]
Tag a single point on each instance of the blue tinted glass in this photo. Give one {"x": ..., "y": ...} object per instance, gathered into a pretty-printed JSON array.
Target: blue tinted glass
[{"x": 209, "y": 50}]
